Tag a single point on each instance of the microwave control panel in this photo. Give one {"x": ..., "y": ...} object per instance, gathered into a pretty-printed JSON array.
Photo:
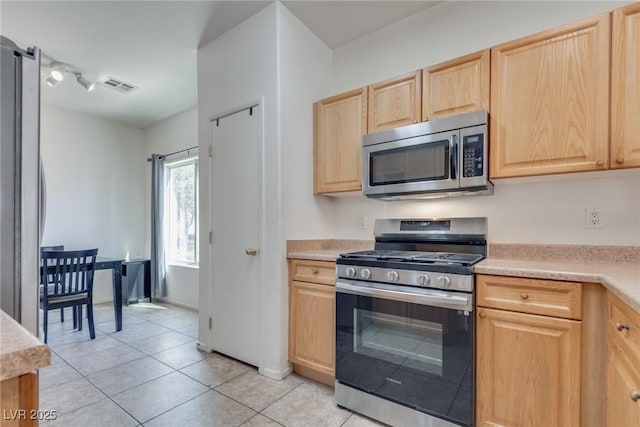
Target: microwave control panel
[{"x": 472, "y": 156}]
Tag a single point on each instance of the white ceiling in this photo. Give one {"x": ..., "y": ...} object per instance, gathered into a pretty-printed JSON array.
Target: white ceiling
[{"x": 153, "y": 44}]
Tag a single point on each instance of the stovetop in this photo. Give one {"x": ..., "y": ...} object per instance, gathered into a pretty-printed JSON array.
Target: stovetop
[{"x": 400, "y": 256}]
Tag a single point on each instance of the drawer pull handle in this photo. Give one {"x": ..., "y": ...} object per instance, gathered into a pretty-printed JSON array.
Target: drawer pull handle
[
  {"x": 315, "y": 271},
  {"x": 621, "y": 327},
  {"x": 482, "y": 315},
  {"x": 635, "y": 396},
  {"x": 524, "y": 295}
]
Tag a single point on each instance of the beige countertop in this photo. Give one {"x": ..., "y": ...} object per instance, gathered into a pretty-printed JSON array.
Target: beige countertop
[
  {"x": 623, "y": 279},
  {"x": 617, "y": 268},
  {"x": 20, "y": 351},
  {"x": 325, "y": 249}
]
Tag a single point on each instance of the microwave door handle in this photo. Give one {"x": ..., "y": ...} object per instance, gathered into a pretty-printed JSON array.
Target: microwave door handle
[{"x": 453, "y": 156}]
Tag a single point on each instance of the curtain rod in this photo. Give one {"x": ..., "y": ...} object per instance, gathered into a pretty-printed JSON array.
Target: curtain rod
[{"x": 175, "y": 152}]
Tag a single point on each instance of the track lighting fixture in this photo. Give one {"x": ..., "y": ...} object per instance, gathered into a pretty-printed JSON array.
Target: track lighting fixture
[
  {"x": 58, "y": 71},
  {"x": 84, "y": 82}
]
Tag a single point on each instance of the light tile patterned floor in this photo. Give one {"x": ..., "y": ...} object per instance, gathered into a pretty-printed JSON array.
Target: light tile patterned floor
[{"x": 151, "y": 374}]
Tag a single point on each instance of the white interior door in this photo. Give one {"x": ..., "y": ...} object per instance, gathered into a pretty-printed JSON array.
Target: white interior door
[{"x": 236, "y": 211}]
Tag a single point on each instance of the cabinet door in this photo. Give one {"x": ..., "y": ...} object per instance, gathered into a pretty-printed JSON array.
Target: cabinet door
[
  {"x": 312, "y": 326},
  {"x": 528, "y": 370},
  {"x": 625, "y": 88},
  {"x": 623, "y": 388},
  {"x": 550, "y": 101},
  {"x": 456, "y": 86},
  {"x": 339, "y": 123},
  {"x": 395, "y": 102}
]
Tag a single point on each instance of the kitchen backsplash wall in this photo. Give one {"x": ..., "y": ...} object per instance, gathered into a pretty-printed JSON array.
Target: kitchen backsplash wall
[{"x": 535, "y": 210}]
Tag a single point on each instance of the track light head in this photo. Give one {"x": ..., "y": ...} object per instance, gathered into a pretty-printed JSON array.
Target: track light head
[
  {"x": 85, "y": 83},
  {"x": 56, "y": 75},
  {"x": 52, "y": 82},
  {"x": 58, "y": 69}
]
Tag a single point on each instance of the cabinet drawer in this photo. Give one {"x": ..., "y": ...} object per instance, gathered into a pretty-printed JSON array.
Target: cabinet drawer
[
  {"x": 624, "y": 327},
  {"x": 313, "y": 271},
  {"x": 535, "y": 296}
]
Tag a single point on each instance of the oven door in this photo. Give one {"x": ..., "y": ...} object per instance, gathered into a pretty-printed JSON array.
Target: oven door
[
  {"x": 412, "y": 165},
  {"x": 409, "y": 345}
]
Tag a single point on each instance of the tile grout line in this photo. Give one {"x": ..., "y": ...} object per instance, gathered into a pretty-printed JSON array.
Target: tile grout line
[{"x": 145, "y": 382}]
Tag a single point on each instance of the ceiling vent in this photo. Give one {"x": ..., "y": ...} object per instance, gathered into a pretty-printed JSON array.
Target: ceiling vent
[{"x": 119, "y": 85}]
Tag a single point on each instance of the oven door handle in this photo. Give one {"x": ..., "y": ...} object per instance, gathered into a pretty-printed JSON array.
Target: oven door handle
[{"x": 421, "y": 297}]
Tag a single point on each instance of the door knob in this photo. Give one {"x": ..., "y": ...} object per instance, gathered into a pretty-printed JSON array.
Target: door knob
[{"x": 251, "y": 252}]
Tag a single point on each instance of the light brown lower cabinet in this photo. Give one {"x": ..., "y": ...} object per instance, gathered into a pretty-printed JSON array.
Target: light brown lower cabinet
[
  {"x": 528, "y": 365},
  {"x": 312, "y": 320},
  {"x": 19, "y": 401},
  {"x": 623, "y": 365},
  {"x": 528, "y": 370}
]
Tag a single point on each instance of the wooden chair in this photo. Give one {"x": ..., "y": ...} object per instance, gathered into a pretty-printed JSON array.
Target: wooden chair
[
  {"x": 71, "y": 274},
  {"x": 50, "y": 279}
]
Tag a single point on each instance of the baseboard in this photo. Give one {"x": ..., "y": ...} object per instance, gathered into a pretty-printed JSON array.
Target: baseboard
[
  {"x": 203, "y": 347},
  {"x": 275, "y": 375},
  {"x": 176, "y": 303},
  {"x": 312, "y": 374}
]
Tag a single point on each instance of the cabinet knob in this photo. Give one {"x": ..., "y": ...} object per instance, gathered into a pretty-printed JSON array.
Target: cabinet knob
[
  {"x": 482, "y": 315},
  {"x": 315, "y": 271},
  {"x": 621, "y": 327},
  {"x": 524, "y": 295},
  {"x": 635, "y": 396},
  {"x": 600, "y": 163},
  {"x": 620, "y": 160}
]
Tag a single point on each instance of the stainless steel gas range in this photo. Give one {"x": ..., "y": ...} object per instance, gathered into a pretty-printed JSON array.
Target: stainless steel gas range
[{"x": 404, "y": 322}]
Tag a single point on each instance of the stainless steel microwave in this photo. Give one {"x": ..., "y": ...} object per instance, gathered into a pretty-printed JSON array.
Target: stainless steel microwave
[{"x": 439, "y": 158}]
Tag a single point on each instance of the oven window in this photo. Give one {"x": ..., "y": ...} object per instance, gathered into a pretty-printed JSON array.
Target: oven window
[
  {"x": 425, "y": 162},
  {"x": 396, "y": 339},
  {"x": 415, "y": 355}
]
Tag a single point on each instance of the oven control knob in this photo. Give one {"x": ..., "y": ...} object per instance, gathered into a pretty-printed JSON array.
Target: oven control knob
[
  {"x": 444, "y": 282},
  {"x": 350, "y": 271},
  {"x": 393, "y": 276},
  {"x": 365, "y": 273},
  {"x": 423, "y": 280}
]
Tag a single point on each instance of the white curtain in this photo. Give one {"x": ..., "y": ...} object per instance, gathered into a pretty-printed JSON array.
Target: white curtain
[{"x": 158, "y": 265}]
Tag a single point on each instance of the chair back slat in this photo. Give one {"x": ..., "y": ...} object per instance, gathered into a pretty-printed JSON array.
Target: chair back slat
[{"x": 69, "y": 272}]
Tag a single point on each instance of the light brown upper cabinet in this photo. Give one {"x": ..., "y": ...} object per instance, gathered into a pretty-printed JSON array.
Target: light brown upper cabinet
[
  {"x": 339, "y": 123},
  {"x": 625, "y": 87},
  {"x": 456, "y": 86},
  {"x": 550, "y": 101},
  {"x": 395, "y": 102}
]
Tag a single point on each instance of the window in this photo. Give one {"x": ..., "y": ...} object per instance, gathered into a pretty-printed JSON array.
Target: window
[{"x": 181, "y": 214}]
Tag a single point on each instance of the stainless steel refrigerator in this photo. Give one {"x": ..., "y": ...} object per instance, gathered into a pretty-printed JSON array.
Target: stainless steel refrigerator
[{"x": 20, "y": 183}]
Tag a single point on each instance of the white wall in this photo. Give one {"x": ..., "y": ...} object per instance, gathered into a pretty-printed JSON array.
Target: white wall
[
  {"x": 305, "y": 76},
  {"x": 236, "y": 70},
  {"x": 272, "y": 57},
  {"x": 173, "y": 134},
  {"x": 94, "y": 171},
  {"x": 533, "y": 210},
  {"x": 449, "y": 30}
]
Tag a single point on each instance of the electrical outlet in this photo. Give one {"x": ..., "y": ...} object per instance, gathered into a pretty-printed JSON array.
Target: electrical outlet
[
  {"x": 593, "y": 219},
  {"x": 362, "y": 222}
]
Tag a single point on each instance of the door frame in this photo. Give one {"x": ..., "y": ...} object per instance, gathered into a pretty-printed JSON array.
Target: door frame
[{"x": 206, "y": 225}]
